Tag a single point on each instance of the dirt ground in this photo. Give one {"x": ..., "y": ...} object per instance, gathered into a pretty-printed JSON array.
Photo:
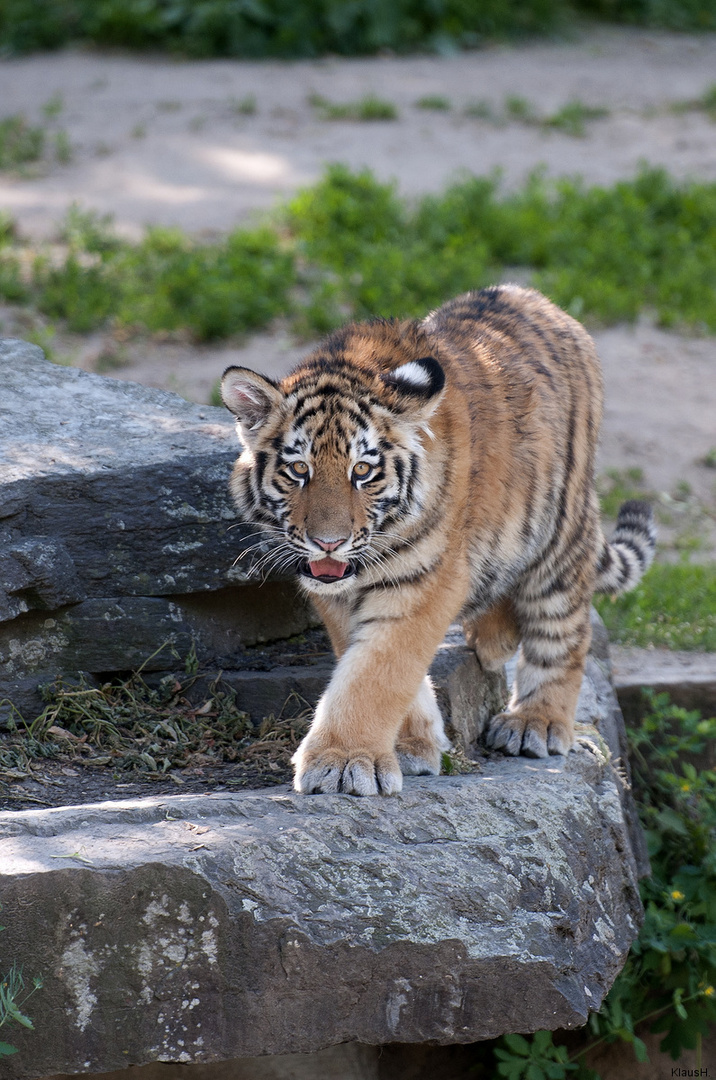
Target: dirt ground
[{"x": 160, "y": 140}]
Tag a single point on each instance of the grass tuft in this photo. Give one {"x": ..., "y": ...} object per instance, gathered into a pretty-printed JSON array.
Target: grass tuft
[
  {"x": 20, "y": 143},
  {"x": 573, "y": 117},
  {"x": 366, "y": 109},
  {"x": 434, "y": 103},
  {"x": 674, "y": 606}
]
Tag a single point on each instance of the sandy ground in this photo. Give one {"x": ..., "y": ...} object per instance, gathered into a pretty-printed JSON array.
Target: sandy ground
[{"x": 157, "y": 140}]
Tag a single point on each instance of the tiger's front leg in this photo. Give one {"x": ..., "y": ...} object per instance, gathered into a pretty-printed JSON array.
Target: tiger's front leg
[{"x": 379, "y": 708}]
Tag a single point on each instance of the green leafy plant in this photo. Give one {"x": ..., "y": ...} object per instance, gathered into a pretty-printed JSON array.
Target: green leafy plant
[
  {"x": 668, "y": 984},
  {"x": 274, "y": 27},
  {"x": 534, "y": 1059},
  {"x": 13, "y": 998}
]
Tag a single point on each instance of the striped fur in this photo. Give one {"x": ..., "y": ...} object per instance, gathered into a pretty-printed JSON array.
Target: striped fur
[{"x": 415, "y": 472}]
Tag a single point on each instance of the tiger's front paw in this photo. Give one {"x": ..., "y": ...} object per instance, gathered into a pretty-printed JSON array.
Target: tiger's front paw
[
  {"x": 331, "y": 770},
  {"x": 519, "y": 732}
]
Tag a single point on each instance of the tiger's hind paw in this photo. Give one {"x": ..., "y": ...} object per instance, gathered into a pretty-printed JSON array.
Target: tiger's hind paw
[
  {"x": 515, "y": 733},
  {"x": 418, "y": 757}
]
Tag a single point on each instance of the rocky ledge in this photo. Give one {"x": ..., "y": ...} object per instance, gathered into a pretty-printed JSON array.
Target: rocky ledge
[{"x": 206, "y": 928}]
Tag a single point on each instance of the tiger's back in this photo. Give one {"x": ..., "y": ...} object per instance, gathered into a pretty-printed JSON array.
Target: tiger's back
[{"x": 415, "y": 472}]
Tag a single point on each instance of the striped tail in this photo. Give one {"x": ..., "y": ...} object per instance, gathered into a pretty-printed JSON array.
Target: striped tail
[{"x": 625, "y": 557}]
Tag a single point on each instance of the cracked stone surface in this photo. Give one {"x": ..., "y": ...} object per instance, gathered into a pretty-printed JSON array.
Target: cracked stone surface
[{"x": 204, "y": 928}]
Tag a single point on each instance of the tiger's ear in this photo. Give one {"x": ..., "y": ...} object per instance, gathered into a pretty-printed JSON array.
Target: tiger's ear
[
  {"x": 250, "y": 397},
  {"x": 419, "y": 383}
]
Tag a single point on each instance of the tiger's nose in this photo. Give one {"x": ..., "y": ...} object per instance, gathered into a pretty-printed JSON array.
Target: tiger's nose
[{"x": 328, "y": 545}]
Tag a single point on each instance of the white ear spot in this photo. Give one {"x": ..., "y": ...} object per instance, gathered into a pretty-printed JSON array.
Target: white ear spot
[
  {"x": 413, "y": 374},
  {"x": 420, "y": 379}
]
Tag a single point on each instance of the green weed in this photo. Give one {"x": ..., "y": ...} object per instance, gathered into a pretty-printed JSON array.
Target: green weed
[
  {"x": 705, "y": 103},
  {"x": 674, "y": 606},
  {"x": 245, "y": 106},
  {"x": 52, "y": 108},
  {"x": 366, "y": 108},
  {"x": 13, "y": 998},
  {"x": 63, "y": 147},
  {"x": 20, "y": 142},
  {"x": 482, "y": 110},
  {"x": 434, "y": 102},
  {"x": 669, "y": 980},
  {"x": 573, "y": 117},
  {"x": 519, "y": 108},
  {"x": 166, "y": 282},
  {"x": 617, "y": 486},
  {"x": 708, "y": 101}
]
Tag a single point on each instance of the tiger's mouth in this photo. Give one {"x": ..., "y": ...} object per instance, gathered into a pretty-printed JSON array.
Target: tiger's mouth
[{"x": 327, "y": 569}]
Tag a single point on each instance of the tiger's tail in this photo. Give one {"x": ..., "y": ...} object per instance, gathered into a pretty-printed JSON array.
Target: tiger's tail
[{"x": 630, "y": 551}]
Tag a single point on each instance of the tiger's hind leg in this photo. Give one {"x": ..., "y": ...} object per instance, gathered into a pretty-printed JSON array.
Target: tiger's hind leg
[
  {"x": 422, "y": 737},
  {"x": 555, "y": 631},
  {"x": 494, "y": 636}
]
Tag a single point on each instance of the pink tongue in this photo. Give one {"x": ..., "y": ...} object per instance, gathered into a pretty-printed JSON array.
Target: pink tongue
[{"x": 328, "y": 568}]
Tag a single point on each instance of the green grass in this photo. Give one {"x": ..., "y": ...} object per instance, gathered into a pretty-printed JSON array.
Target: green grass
[
  {"x": 573, "y": 117},
  {"x": 482, "y": 110},
  {"x": 350, "y": 246},
  {"x": 23, "y": 144},
  {"x": 434, "y": 103},
  {"x": 706, "y": 102},
  {"x": 365, "y": 109},
  {"x": 245, "y": 106},
  {"x": 616, "y": 486},
  {"x": 674, "y": 606},
  {"x": 519, "y": 108},
  {"x": 20, "y": 142}
]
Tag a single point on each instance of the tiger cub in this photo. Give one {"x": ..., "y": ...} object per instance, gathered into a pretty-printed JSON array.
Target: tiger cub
[{"x": 412, "y": 473}]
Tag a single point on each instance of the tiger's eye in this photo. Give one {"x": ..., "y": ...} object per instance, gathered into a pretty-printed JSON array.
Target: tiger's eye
[
  {"x": 361, "y": 470},
  {"x": 298, "y": 469}
]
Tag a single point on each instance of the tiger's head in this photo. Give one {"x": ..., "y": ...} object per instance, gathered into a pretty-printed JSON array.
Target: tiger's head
[{"x": 335, "y": 468}]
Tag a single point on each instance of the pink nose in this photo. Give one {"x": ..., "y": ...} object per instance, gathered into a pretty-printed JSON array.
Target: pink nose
[{"x": 328, "y": 545}]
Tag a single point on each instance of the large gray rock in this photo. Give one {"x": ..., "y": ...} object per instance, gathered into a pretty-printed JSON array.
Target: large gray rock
[
  {"x": 116, "y": 530},
  {"x": 689, "y": 678},
  {"x": 205, "y": 928}
]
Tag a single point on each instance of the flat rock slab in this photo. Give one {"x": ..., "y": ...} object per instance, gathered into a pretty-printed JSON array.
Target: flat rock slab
[
  {"x": 109, "y": 480},
  {"x": 194, "y": 929},
  {"x": 688, "y": 677},
  {"x": 117, "y": 534}
]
